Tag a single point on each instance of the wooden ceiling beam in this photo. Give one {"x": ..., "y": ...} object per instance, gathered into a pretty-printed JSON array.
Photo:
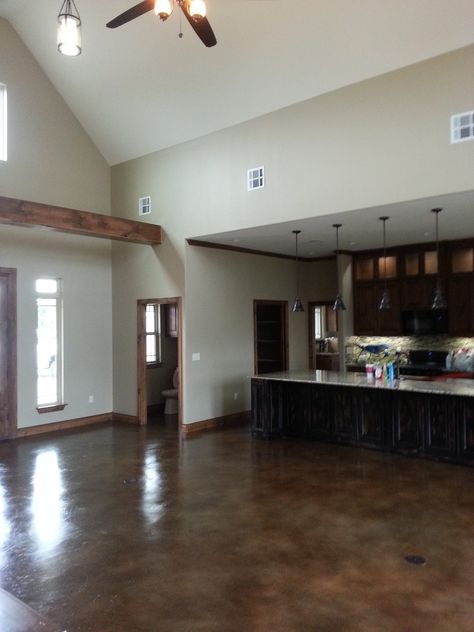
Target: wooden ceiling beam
[{"x": 21, "y": 213}]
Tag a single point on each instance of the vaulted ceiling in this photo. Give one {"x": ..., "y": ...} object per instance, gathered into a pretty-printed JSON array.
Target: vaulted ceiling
[{"x": 140, "y": 88}]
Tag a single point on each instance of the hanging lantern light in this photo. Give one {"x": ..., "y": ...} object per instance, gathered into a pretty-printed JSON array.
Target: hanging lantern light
[
  {"x": 385, "y": 302},
  {"x": 338, "y": 304},
  {"x": 69, "y": 29},
  {"x": 439, "y": 301}
]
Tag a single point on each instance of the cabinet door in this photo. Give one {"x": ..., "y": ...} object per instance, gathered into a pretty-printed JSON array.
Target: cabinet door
[
  {"x": 466, "y": 414},
  {"x": 365, "y": 308},
  {"x": 371, "y": 417},
  {"x": 321, "y": 426},
  {"x": 296, "y": 422},
  {"x": 267, "y": 408},
  {"x": 440, "y": 426},
  {"x": 407, "y": 423},
  {"x": 172, "y": 320},
  {"x": 412, "y": 294},
  {"x": 345, "y": 415},
  {"x": 461, "y": 305}
]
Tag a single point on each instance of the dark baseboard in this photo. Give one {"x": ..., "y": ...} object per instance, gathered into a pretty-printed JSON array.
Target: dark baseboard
[
  {"x": 226, "y": 421},
  {"x": 121, "y": 418},
  {"x": 68, "y": 424}
]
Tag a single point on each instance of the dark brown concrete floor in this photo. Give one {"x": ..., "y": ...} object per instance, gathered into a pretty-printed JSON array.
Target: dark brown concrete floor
[{"x": 223, "y": 533}]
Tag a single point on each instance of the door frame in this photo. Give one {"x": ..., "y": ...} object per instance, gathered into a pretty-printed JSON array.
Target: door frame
[
  {"x": 311, "y": 305},
  {"x": 142, "y": 411},
  {"x": 9, "y": 355}
]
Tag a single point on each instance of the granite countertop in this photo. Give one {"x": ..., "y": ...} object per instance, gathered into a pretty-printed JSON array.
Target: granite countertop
[{"x": 459, "y": 387}]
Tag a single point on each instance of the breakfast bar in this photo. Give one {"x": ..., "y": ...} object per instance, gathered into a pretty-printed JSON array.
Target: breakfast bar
[{"x": 428, "y": 419}]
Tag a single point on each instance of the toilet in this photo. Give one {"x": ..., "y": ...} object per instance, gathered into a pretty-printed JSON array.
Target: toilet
[{"x": 171, "y": 396}]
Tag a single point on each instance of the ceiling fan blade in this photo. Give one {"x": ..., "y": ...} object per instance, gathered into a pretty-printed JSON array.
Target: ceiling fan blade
[
  {"x": 201, "y": 27},
  {"x": 131, "y": 14}
]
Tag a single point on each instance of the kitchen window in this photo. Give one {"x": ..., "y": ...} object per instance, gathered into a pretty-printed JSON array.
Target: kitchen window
[{"x": 49, "y": 345}]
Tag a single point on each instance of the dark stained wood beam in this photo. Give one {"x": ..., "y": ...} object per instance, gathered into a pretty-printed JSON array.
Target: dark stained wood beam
[{"x": 21, "y": 213}]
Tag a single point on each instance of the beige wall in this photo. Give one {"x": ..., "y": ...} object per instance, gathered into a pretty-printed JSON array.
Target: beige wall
[
  {"x": 50, "y": 157},
  {"x": 381, "y": 141},
  {"x": 52, "y": 160}
]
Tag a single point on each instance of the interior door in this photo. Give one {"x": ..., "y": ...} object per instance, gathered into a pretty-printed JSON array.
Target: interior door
[{"x": 7, "y": 352}]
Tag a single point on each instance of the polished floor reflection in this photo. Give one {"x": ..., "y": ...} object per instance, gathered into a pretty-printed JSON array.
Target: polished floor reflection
[{"x": 115, "y": 528}]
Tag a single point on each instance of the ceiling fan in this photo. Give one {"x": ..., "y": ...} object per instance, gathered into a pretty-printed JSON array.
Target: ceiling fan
[{"x": 194, "y": 11}]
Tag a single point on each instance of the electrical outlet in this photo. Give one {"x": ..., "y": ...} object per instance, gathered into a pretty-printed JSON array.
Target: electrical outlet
[{"x": 91, "y": 399}]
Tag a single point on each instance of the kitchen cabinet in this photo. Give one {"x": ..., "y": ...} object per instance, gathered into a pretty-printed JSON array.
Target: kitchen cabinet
[
  {"x": 439, "y": 427},
  {"x": 368, "y": 319},
  {"x": 461, "y": 305},
  {"x": 466, "y": 435},
  {"x": 407, "y": 418},
  {"x": 370, "y": 419}
]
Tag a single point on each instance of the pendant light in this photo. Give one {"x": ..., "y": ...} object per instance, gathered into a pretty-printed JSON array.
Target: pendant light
[
  {"x": 338, "y": 304},
  {"x": 297, "y": 305},
  {"x": 439, "y": 302},
  {"x": 69, "y": 29},
  {"x": 385, "y": 302}
]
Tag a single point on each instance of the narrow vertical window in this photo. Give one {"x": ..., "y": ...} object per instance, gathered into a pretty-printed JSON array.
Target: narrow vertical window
[
  {"x": 153, "y": 333},
  {"x": 49, "y": 347},
  {"x": 3, "y": 122}
]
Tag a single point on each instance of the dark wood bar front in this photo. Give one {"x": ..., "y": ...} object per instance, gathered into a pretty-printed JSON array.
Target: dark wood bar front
[{"x": 430, "y": 420}]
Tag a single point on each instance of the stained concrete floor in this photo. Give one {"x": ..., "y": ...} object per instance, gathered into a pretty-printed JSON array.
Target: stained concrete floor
[{"x": 219, "y": 532}]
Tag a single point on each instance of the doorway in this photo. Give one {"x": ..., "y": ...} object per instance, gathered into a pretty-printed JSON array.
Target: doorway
[
  {"x": 159, "y": 338},
  {"x": 322, "y": 336},
  {"x": 270, "y": 333},
  {"x": 7, "y": 352}
]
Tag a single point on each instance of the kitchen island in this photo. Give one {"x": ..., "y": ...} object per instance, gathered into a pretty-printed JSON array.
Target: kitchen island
[{"x": 425, "y": 419}]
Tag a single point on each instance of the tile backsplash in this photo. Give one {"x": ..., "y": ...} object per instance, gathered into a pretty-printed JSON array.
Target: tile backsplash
[{"x": 409, "y": 343}]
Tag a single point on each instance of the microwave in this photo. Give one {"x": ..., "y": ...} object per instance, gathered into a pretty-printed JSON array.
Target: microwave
[{"x": 425, "y": 322}]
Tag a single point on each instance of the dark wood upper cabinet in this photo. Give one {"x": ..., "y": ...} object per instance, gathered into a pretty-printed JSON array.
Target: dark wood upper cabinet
[{"x": 412, "y": 273}]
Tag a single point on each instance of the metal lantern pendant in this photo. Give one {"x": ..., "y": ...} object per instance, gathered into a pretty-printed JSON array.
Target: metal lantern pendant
[
  {"x": 297, "y": 305},
  {"x": 439, "y": 301},
  {"x": 69, "y": 30},
  {"x": 385, "y": 302},
  {"x": 338, "y": 304}
]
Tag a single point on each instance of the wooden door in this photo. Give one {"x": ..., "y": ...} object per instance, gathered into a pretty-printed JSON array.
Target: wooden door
[{"x": 7, "y": 352}]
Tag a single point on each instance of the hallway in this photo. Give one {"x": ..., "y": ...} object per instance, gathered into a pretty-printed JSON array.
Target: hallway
[{"x": 116, "y": 528}]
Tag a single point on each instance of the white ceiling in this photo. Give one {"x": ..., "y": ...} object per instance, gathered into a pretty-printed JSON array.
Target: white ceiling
[
  {"x": 140, "y": 88},
  {"x": 409, "y": 223}
]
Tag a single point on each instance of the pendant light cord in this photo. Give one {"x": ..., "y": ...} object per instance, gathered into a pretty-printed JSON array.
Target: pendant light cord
[{"x": 384, "y": 220}]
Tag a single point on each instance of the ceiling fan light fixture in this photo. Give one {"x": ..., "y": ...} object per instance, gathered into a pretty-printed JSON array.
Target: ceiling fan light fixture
[
  {"x": 69, "y": 29},
  {"x": 197, "y": 9},
  {"x": 163, "y": 9}
]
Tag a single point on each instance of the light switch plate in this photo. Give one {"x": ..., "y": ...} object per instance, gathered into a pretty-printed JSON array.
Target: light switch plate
[{"x": 196, "y": 357}]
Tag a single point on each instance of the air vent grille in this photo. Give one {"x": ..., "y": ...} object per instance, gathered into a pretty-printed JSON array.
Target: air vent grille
[
  {"x": 255, "y": 178},
  {"x": 462, "y": 127},
  {"x": 144, "y": 205}
]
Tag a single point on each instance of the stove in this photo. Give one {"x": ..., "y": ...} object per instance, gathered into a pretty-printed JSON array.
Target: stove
[{"x": 425, "y": 362}]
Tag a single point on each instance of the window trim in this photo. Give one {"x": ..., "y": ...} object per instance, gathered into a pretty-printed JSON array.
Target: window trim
[
  {"x": 157, "y": 333},
  {"x": 3, "y": 123},
  {"x": 59, "y": 404}
]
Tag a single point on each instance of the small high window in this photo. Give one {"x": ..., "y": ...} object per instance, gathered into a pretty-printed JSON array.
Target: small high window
[
  {"x": 462, "y": 127},
  {"x": 49, "y": 347},
  {"x": 3, "y": 122},
  {"x": 153, "y": 333}
]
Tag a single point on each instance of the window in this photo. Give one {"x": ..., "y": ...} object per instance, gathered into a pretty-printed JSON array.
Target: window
[
  {"x": 153, "y": 333},
  {"x": 255, "y": 178},
  {"x": 319, "y": 318},
  {"x": 3, "y": 122},
  {"x": 49, "y": 347}
]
